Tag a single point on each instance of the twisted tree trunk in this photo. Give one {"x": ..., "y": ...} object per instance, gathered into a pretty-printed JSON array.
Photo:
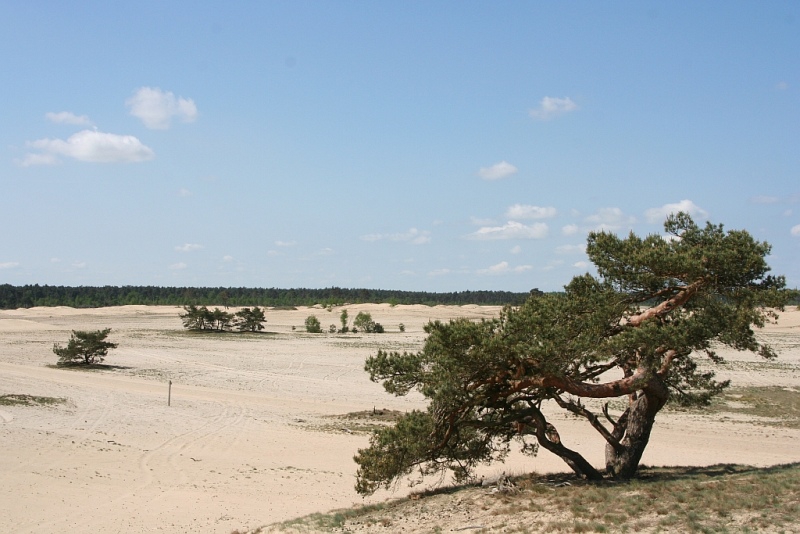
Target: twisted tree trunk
[{"x": 633, "y": 429}]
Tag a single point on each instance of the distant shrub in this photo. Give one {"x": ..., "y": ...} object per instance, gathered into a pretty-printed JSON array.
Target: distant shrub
[{"x": 312, "y": 325}]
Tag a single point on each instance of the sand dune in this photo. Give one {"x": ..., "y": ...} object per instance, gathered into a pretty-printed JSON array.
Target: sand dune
[{"x": 251, "y": 436}]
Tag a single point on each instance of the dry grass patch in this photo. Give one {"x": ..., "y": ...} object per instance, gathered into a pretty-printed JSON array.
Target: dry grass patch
[
  {"x": 29, "y": 400},
  {"x": 773, "y": 406},
  {"x": 363, "y": 422},
  {"x": 723, "y": 498}
]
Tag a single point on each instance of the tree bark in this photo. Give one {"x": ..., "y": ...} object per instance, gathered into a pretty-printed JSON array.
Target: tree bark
[
  {"x": 548, "y": 437},
  {"x": 623, "y": 461}
]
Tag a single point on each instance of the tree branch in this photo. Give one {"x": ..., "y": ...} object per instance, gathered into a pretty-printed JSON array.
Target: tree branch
[
  {"x": 668, "y": 305},
  {"x": 578, "y": 409}
]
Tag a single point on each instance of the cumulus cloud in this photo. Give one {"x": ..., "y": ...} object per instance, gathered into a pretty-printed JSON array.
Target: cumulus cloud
[
  {"x": 156, "y": 108},
  {"x": 66, "y": 117},
  {"x": 227, "y": 258},
  {"x": 571, "y": 249},
  {"x": 8, "y": 264},
  {"x": 795, "y": 231},
  {"x": 497, "y": 171},
  {"x": 551, "y": 107},
  {"x": 764, "y": 199},
  {"x": 521, "y": 211},
  {"x": 503, "y": 267},
  {"x": 610, "y": 219},
  {"x": 570, "y": 229},
  {"x": 516, "y": 250},
  {"x": 657, "y": 215},
  {"x": 188, "y": 247},
  {"x": 89, "y": 146},
  {"x": 413, "y": 236},
  {"x": 511, "y": 230},
  {"x": 581, "y": 264}
]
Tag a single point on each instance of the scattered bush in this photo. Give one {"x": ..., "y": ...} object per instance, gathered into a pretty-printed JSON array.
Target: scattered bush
[
  {"x": 84, "y": 348},
  {"x": 312, "y": 325}
]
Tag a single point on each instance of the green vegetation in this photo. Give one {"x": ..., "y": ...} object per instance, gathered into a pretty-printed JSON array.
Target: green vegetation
[
  {"x": 250, "y": 319},
  {"x": 29, "y": 400},
  {"x": 720, "y": 498},
  {"x": 27, "y": 296},
  {"x": 633, "y": 336},
  {"x": 201, "y": 318},
  {"x": 770, "y": 406},
  {"x": 86, "y": 348},
  {"x": 364, "y": 323},
  {"x": 312, "y": 325}
]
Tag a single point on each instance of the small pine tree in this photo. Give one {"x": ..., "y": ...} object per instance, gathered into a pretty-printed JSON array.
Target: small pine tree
[{"x": 84, "y": 348}]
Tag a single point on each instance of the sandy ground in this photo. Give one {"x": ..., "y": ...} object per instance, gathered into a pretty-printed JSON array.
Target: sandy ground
[{"x": 251, "y": 436}]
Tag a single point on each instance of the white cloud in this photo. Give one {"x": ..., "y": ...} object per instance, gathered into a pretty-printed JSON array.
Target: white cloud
[
  {"x": 511, "y": 230},
  {"x": 503, "y": 267},
  {"x": 795, "y": 231},
  {"x": 571, "y": 249},
  {"x": 285, "y": 243},
  {"x": 327, "y": 251},
  {"x": 90, "y": 146},
  {"x": 522, "y": 211},
  {"x": 610, "y": 219},
  {"x": 31, "y": 160},
  {"x": 178, "y": 266},
  {"x": 413, "y": 236},
  {"x": 188, "y": 247},
  {"x": 763, "y": 199},
  {"x": 657, "y": 215},
  {"x": 570, "y": 229},
  {"x": 551, "y": 107},
  {"x": 516, "y": 250},
  {"x": 79, "y": 264},
  {"x": 227, "y": 258},
  {"x": 497, "y": 171},
  {"x": 439, "y": 272},
  {"x": 156, "y": 108},
  {"x": 183, "y": 192},
  {"x": 66, "y": 117},
  {"x": 482, "y": 222},
  {"x": 581, "y": 264},
  {"x": 8, "y": 264}
]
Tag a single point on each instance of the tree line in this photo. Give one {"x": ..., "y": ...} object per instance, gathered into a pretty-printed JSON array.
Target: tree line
[{"x": 28, "y": 296}]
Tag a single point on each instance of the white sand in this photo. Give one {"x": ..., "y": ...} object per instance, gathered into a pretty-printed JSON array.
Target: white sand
[{"x": 248, "y": 439}]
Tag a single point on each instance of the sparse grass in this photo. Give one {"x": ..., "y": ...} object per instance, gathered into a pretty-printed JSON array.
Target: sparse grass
[
  {"x": 29, "y": 400},
  {"x": 363, "y": 422},
  {"x": 92, "y": 367},
  {"x": 721, "y": 498},
  {"x": 776, "y": 406}
]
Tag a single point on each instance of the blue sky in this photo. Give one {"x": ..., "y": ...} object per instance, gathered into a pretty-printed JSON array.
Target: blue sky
[{"x": 435, "y": 146}]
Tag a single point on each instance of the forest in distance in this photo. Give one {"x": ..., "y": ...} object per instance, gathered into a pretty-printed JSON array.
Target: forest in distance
[{"x": 28, "y": 296}]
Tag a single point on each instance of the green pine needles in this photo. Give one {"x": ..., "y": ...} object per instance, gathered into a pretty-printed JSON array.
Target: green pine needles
[{"x": 634, "y": 334}]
